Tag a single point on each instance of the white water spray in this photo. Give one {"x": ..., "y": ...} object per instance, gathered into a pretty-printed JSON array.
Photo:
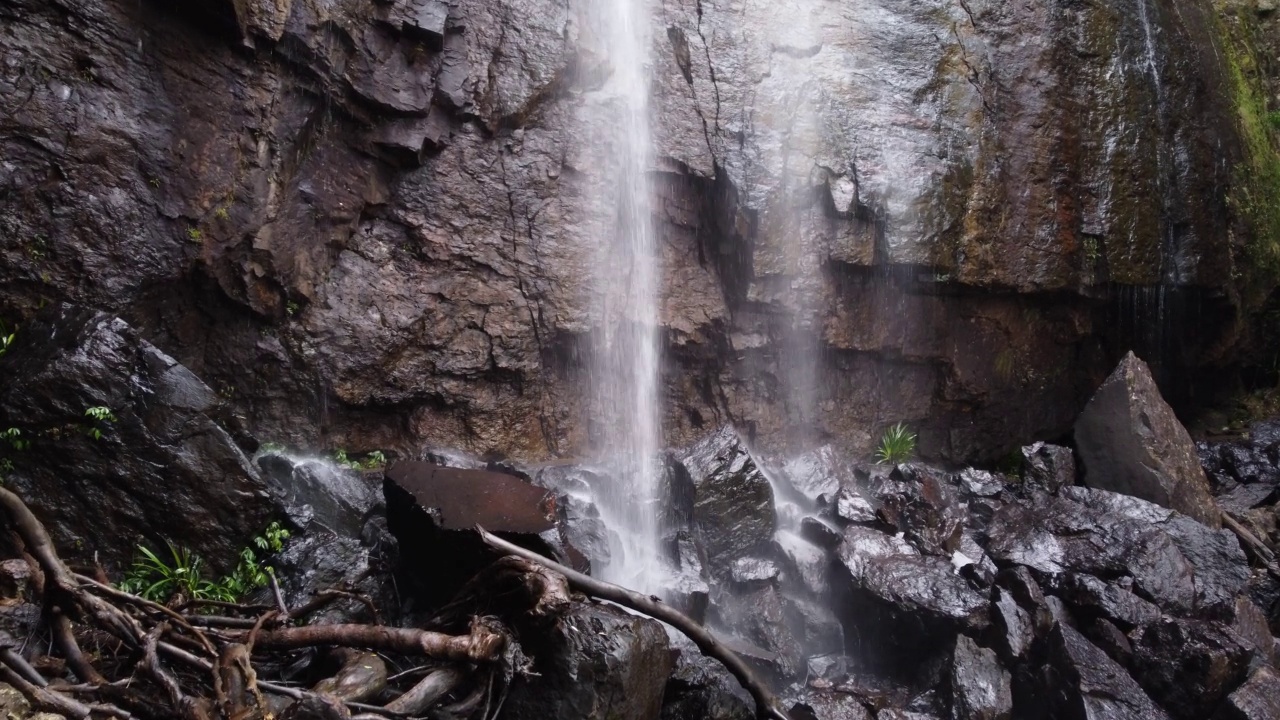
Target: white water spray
[{"x": 626, "y": 362}]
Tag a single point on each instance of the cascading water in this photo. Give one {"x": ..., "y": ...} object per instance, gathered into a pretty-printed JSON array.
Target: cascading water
[{"x": 626, "y": 362}]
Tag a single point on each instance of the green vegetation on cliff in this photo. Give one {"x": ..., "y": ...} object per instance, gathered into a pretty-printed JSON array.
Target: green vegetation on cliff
[{"x": 1255, "y": 192}]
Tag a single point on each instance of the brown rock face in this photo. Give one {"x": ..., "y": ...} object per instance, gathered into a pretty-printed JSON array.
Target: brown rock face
[
  {"x": 373, "y": 225},
  {"x": 1131, "y": 443}
]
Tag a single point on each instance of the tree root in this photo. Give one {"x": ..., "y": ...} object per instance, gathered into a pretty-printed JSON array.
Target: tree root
[{"x": 767, "y": 704}]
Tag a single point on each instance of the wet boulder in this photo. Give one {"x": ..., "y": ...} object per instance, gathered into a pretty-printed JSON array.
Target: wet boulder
[
  {"x": 1131, "y": 442},
  {"x": 321, "y": 560},
  {"x": 1178, "y": 564},
  {"x": 156, "y": 466},
  {"x": 576, "y": 512},
  {"x": 312, "y": 490},
  {"x": 432, "y": 511},
  {"x": 1188, "y": 666},
  {"x": 1084, "y": 683},
  {"x": 700, "y": 688},
  {"x": 759, "y": 617},
  {"x": 597, "y": 663},
  {"x": 1257, "y": 699},
  {"x": 825, "y": 705},
  {"x": 980, "y": 687},
  {"x": 1048, "y": 467},
  {"x": 733, "y": 511}
]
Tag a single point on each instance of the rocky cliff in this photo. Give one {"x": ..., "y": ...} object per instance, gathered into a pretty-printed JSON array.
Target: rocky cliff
[{"x": 368, "y": 222}]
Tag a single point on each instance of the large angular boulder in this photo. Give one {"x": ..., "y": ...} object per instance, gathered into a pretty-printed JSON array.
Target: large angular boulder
[
  {"x": 980, "y": 688},
  {"x": 1257, "y": 699},
  {"x": 733, "y": 510},
  {"x": 1189, "y": 666},
  {"x": 157, "y": 467},
  {"x": 1088, "y": 684},
  {"x": 433, "y": 510},
  {"x": 700, "y": 688},
  {"x": 597, "y": 663},
  {"x": 1168, "y": 559},
  {"x": 1131, "y": 442},
  {"x": 317, "y": 491}
]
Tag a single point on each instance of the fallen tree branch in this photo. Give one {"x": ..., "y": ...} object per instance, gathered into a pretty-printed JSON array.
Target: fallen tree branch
[
  {"x": 480, "y": 646},
  {"x": 123, "y": 596},
  {"x": 767, "y": 704},
  {"x": 328, "y": 596},
  {"x": 49, "y": 701}
]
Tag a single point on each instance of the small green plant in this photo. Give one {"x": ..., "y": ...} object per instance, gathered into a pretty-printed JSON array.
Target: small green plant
[
  {"x": 194, "y": 234},
  {"x": 292, "y": 307},
  {"x": 1273, "y": 117},
  {"x": 14, "y": 437},
  {"x": 897, "y": 445},
  {"x": 6, "y": 339},
  {"x": 101, "y": 415},
  {"x": 371, "y": 461},
  {"x": 221, "y": 212},
  {"x": 159, "y": 580}
]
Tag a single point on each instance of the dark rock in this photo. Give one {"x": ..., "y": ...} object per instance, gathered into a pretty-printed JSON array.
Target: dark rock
[
  {"x": 1111, "y": 639},
  {"x": 688, "y": 590},
  {"x": 979, "y": 483},
  {"x": 733, "y": 510},
  {"x": 163, "y": 470},
  {"x": 1131, "y": 443},
  {"x": 852, "y": 507},
  {"x": 1250, "y": 626},
  {"x": 701, "y": 687},
  {"x": 760, "y": 617},
  {"x": 1014, "y": 625},
  {"x": 1188, "y": 666},
  {"x": 432, "y": 512},
  {"x": 320, "y": 561},
  {"x": 577, "y": 515},
  {"x": 809, "y": 565},
  {"x": 1108, "y": 600},
  {"x": 1178, "y": 564},
  {"x": 461, "y": 499},
  {"x": 980, "y": 688},
  {"x": 753, "y": 571},
  {"x": 1048, "y": 466},
  {"x": 1257, "y": 699},
  {"x": 1087, "y": 683},
  {"x": 860, "y": 545},
  {"x": 899, "y": 608},
  {"x": 817, "y": 472},
  {"x": 597, "y": 663},
  {"x": 339, "y": 499},
  {"x": 814, "y": 625}
]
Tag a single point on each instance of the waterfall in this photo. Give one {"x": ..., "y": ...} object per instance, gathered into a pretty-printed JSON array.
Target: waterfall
[{"x": 626, "y": 362}]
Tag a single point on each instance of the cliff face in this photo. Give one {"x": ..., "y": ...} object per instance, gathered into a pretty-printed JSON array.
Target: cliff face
[{"x": 371, "y": 223}]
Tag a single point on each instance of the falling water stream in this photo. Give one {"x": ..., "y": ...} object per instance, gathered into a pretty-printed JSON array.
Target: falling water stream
[{"x": 626, "y": 362}]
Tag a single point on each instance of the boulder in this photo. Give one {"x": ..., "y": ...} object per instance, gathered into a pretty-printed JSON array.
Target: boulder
[
  {"x": 321, "y": 560},
  {"x": 1085, "y": 683},
  {"x": 1257, "y": 699},
  {"x": 700, "y": 688},
  {"x": 314, "y": 490},
  {"x": 159, "y": 468},
  {"x": 980, "y": 688},
  {"x": 1049, "y": 467},
  {"x": 821, "y": 705},
  {"x": 432, "y": 512},
  {"x": 597, "y": 663},
  {"x": 576, "y": 512},
  {"x": 1131, "y": 442},
  {"x": 733, "y": 509},
  {"x": 1178, "y": 564},
  {"x": 1188, "y": 666},
  {"x": 759, "y": 617}
]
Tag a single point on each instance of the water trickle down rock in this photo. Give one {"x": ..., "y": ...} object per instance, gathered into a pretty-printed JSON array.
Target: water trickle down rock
[
  {"x": 1130, "y": 442},
  {"x": 311, "y": 490}
]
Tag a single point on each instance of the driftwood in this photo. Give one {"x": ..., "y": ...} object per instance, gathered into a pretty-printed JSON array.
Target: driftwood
[
  {"x": 215, "y": 661},
  {"x": 767, "y": 704}
]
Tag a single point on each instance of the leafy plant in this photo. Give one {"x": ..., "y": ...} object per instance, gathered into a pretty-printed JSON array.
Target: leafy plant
[
  {"x": 194, "y": 234},
  {"x": 100, "y": 415},
  {"x": 371, "y": 460},
  {"x": 5, "y": 340},
  {"x": 292, "y": 307},
  {"x": 14, "y": 437},
  {"x": 159, "y": 580},
  {"x": 897, "y": 445}
]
